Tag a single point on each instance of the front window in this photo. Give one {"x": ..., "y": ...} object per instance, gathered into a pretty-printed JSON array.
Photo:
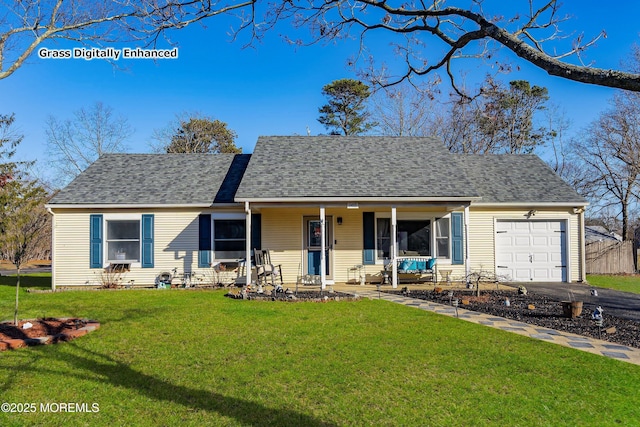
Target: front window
[
  {"x": 442, "y": 238},
  {"x": 413, "y": 237},
  {"x": 229, "y": 238},
  {"x": 123, "y": 240},
  {"x": 383, "y": 237}
]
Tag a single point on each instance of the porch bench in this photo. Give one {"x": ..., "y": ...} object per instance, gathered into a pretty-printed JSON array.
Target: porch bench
[{"x": 417, "y": 269}]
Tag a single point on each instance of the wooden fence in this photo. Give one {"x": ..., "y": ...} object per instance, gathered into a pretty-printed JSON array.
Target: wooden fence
[{"x": 610, "y": 257}]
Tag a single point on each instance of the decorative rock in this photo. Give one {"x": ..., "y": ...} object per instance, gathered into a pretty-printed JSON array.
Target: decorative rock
[
  {"x": 611, "y": 330},
  {"x": 437, "y": 289},
  {"x": 465, "y": 301},
  {"x": 531, "y": 307}
]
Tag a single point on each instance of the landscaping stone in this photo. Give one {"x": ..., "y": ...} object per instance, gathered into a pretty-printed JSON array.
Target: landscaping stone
[
  {"x": 43, "y": 331},
  {"x": 548, "y": 313}
]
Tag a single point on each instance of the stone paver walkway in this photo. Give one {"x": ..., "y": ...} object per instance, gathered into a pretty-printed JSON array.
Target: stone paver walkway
[{"x": 578, "y": 342}]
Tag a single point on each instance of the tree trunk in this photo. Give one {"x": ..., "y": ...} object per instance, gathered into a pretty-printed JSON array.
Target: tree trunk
[{"x": 15, "y": 313}]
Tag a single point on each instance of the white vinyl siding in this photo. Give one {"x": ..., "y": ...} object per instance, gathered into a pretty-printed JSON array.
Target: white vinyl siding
[
  {"x": 482, "y": 249},
  {"x": 175, "y": 244}
]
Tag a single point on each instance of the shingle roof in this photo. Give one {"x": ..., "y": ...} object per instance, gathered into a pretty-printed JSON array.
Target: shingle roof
[
  {"x": 154, "y": 179},
  {"x": 298, "y": 167},
  {"x": 305, "y": 167},
  {"x": 596, "y": 233},
  {"x": 514, "y": 178}
]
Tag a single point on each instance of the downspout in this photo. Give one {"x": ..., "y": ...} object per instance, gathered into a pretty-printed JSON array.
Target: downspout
[
  {"x": 53, "y": 243},
  {"x": 247, "y": 232}
]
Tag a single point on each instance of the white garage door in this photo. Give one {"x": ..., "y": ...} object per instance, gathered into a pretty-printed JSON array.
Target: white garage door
[{"x": 531, "y": 251}]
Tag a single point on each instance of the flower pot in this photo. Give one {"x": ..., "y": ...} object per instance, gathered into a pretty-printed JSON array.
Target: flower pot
[{"x": 572, "y": 309}]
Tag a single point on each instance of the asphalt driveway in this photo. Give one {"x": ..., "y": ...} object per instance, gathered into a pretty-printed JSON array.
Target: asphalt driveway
[{"x": 617, "y": 303}]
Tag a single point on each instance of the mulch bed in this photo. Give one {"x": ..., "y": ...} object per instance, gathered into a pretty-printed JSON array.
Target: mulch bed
[
  {"x": 547, "y": 313},
  {"x": 43, "y": 331}
]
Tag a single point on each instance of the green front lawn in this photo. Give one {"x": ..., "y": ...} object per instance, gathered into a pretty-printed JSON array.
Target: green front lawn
[
  {"x": 169, "y": 357},
  {"x": 617, "y": 282},
  {"x": 31, "y": 280}
]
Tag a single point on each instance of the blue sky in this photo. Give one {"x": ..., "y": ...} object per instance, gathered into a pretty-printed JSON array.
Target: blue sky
[{"x": 271, "y": 89}]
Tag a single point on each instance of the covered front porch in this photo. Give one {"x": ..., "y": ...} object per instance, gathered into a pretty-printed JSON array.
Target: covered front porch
[{"x": 349, "y": 242}]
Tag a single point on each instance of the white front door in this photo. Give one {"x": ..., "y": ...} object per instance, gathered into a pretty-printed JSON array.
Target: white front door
[{"x": 531, "y": 251}]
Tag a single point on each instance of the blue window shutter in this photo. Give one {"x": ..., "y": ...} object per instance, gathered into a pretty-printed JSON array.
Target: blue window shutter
[
  {"x": 457, "y": 238},
  {"x": 147, "y": 241},
  {"x": 204, "y": 241},
  {"x": 95, "y": 241},
  {"x": 369, "y": 238},
  {"x": 256, "y": 231}
]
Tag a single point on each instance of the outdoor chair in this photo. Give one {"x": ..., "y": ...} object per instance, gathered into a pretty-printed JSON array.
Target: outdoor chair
[{"x": 266, "y": 271}]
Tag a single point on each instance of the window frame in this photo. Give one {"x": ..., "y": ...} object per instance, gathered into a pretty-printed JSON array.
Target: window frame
[
  {"x": 227, "y": 217},
  {"x": 448, "y": 237},
  {"x": 106, "y": 219},
  {"x": 432, "y": 217}
]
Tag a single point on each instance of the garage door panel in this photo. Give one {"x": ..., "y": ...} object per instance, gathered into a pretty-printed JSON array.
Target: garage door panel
[
  {"x": 538, "y": 225},
  {"x": 543, "y": 241},
  {"x": 541, "y": 274},
  {"x": 531, "y": 250},
  {"x": 540, "y": 258},
  {"x": 522, "y": 274}
]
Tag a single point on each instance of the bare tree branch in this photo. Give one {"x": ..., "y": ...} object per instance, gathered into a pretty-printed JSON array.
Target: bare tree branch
[
  {"x": 74, "y": 144},
  {"x": 26, "y": 24},
  {"x": 460, "y": 32}
]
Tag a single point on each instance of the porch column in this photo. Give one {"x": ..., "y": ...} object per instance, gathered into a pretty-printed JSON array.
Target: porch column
[
  {"x": 583, "y": 258},
  {"x": 323, "y": 260},
  {"x": 247, "y": 232},
  {"x": 392, "y": 249},
  {"x": 467, "y": 265}
]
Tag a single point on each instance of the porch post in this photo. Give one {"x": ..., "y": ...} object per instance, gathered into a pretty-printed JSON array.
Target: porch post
[
  {"x": 323, "y": 261},
  {"x": 583, "y": 258},
  {"x": 467, "y": 265},
  {"x": 247, "y": 232},
  {"x": 392, "y": 249}
]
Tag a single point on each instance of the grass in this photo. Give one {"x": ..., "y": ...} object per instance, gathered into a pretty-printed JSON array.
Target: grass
[
  {"x": 617, "y": 282},
  {"x": 31, "y": 280},
  {"x": 197, "y": 358}
]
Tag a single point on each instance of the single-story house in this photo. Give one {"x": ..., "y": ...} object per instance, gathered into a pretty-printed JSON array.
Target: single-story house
[
  {"x": 322, "y": 206},
  {"x": 597, "y": 233}
]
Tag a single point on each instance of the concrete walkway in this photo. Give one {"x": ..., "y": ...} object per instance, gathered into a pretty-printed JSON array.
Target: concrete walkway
[{"x": 578, "y": 342}]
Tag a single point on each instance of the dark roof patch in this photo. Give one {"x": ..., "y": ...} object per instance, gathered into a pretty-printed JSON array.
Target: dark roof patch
[{"x": 155, "y": 179}]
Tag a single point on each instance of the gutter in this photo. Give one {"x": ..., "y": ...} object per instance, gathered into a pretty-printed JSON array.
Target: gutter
[
  {"x": 380, "y": 200},
  {"x": 140, "y": 206}
]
